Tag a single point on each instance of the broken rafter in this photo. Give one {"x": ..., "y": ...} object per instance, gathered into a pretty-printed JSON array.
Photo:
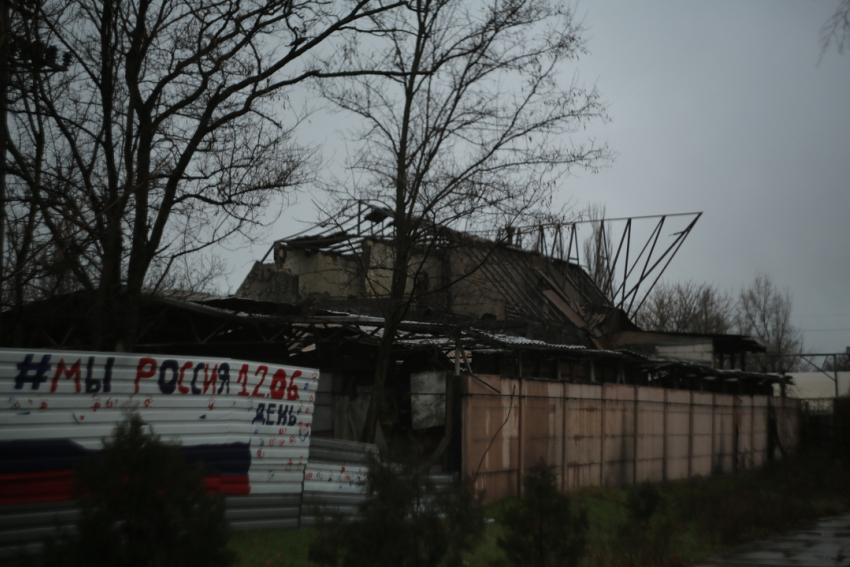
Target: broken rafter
[{"x": 215, "y": 332}]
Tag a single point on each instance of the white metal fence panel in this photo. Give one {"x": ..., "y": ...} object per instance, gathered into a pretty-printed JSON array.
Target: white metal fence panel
[
  {"x": 249, "y": 422},
  {"x": 335, "y": 479}
]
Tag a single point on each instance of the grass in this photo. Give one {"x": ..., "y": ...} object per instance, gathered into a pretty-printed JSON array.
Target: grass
[
  {"x": 693, "y": 521},
  {"x": 278, "y": 548}
]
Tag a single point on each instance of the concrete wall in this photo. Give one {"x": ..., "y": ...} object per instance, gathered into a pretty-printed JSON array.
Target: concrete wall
[
  {"x": 476, "y": 291},
  {"x": 266, "y": 283},
  {"x": 609, "y": 434},
  {"x": 325, "y": 274},
  {"x": 304, "y": 273}
]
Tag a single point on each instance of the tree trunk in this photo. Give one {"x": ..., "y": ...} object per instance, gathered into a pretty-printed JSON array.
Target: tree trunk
[{"x": 396, "y": 311}]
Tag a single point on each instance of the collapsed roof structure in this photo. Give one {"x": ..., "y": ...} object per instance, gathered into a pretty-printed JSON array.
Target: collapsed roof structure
[{"x": 525, "y": 282}]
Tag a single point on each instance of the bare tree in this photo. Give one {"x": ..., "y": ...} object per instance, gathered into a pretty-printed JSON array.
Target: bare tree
[
  {"x": 166, "y": 135},
  {"x": 687, "y": 307},
  {"x": 472, "y": 130},
  {"x": 761, "y": 311},
  {"x": 29, "y": 57},
  {"x": 836, "y": 29},
  {"x": 841, "y": 363},
  {"x": 764, "y": 312}
]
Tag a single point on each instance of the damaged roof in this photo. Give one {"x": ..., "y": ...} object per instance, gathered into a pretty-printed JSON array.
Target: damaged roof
[{"x": 534, "y": 286}]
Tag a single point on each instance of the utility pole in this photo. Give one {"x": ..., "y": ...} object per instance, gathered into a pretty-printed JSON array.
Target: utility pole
[{"x": 835, "y": 372}]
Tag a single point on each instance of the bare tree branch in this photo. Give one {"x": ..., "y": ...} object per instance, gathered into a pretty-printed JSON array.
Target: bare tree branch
[
  {"x": 687, "y": 307},
  {"x": 764, "y": 312},
  {"x": 169, "y": 131},
  {"x": 836, "y": 30},
  {"x": 472, "y": 127}
]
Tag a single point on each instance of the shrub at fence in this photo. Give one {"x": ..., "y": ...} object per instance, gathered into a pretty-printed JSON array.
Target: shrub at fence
[{"x": 141, "y": 505}]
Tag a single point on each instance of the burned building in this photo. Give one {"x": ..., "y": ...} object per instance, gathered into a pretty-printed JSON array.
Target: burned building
[
  {"x": 536, "y": 290},
  {"x": 453, "y": 277}
]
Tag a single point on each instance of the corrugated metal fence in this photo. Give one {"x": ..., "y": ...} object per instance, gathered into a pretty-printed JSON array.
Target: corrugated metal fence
[
  {"x": 331, "y": 487},
  {"x": 249, "y": 422},
  {"x": 609, "y": 434},
  {"x": 334, "y": 482}
]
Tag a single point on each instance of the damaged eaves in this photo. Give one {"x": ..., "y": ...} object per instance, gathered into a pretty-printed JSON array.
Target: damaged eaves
[
  {"x": 234, "y": 326},
  {"x": 445, "y": 338},
  {"x": 707, "y": 373},
  {"x": 343, "y": 237}
]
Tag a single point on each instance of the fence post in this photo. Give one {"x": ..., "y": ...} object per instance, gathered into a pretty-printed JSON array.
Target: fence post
[
  {"x": 636, "y": 436},
  {"x": 564, "y": 443},
  {"x": 602, "y": 435},
  {"x": 691, "y": 437},
  {"x": 752, "y": 431},
  {"x": 736, "y": 431},
  {"x": 713, "y": 440},
  {"x": 664, "y": 448},
  {"x": 520, "y": 444}
]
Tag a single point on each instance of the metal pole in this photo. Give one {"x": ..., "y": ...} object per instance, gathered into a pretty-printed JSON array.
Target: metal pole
[{"x": 835, "y": 372}]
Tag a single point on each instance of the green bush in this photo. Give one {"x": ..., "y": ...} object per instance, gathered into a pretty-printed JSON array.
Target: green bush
[
  {"x": 541, "y": 528},
  {"x": 841, "y": 421},
  {"x": 642, "y": 501},
  {"x": 142, "y": 505},
  {"x": 645, "y": 536},
  {"x": 406, "y": 521},
  {"x": 751, "y": 504}
]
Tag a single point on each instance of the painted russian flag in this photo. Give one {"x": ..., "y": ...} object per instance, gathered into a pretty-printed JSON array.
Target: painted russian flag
[{"x": 43, "y": 470}]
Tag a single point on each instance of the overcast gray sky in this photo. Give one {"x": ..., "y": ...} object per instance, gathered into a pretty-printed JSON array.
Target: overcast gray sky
[{"x": 721, "y": 107}]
